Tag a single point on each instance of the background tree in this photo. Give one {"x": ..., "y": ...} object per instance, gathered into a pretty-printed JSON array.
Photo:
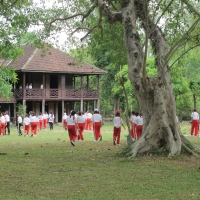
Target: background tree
[{"x": 13, "y": 24}]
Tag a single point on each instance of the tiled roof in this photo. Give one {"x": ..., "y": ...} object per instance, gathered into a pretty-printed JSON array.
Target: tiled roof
[{"x": 54, "y": 61}]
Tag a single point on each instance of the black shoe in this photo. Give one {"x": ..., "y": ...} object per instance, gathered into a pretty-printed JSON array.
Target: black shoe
[
  {"x": 72, "y": 143},
  {"x": 114, "y": 142}
]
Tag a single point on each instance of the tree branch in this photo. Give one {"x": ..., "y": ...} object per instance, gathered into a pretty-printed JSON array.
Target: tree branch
[
  {"x": 184, "y": 53},
  {"x": 179, "y": 43},
  {"x": 191, "y": 7},
  {"x": 112, "y": 16},
  {"x": 96, "y": 26}
]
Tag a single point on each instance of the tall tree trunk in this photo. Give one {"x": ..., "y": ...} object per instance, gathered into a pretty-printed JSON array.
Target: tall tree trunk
[
  {"x": 194, "y": 101},
  {"x": 155, "y": 94}
]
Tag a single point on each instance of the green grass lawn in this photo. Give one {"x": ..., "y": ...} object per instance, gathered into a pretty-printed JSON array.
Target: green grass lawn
[{"x": 48, "y": 167}]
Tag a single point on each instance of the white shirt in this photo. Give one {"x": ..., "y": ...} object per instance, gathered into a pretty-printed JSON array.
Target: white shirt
[
  {"x": 139, "y": 121},
  {"x": 71, "y": 120},
  {"x": 65, "y": 116},
  {"x": 30, "y": 87},
  {"x": 195, "y": 116},
  {"x": 89, "y": 115},
  {"x": 40, "y": 117},
  {"x": 117, "y": 121},
  {"x": 133, "y": 118},
  {"x": 34, "y": 119},
  {"x": 51, "y": 117},
  {"x": 26, "y": 121},
  {"x": 3, "y": 119},
  {"x": 7, "y": 118},
  {"x": 96, "y": 118},
  {"x": 19, "y": 119},
  {"x": 45, "y": 116},
  {"x": 80, "y": 119}
]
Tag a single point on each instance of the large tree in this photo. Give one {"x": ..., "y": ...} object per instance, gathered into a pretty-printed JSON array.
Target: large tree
[{"x": 163, "y": 25}]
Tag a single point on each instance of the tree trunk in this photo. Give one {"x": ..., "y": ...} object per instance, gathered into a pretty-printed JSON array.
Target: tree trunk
[
  {"x": 195, "y": 101},
  {"x": 155, "y": 94}
]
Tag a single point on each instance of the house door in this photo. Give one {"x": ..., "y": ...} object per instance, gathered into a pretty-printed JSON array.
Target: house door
[{"x": 53, "y": 81}]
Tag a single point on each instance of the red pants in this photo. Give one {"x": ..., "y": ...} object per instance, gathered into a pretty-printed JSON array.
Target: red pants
[
  {"x": 139, "y": 131},
  {"x": 195, "y": 127},
  {"x": 96, "y": 128},
  {"x": 133, "y": 131},
  {"x": 72, "y": 132},
  {"x": 80, "y": 131},
  {"x": 40, "y": 122},
  {"x": 34, "y": 127},
  {"x": 64, "y": 124},
  {"x": 45, "y": 123},
  {"x": 116, "y": 134},
  {"x": 26, "y": 129},
  {"x": 3, "y": 130},
  {"x": 88, "y": 125}
]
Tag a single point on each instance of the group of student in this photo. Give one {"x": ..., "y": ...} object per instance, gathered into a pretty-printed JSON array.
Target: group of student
[
  {"x": 76, "y": 123},
  {"x": 32, "y": 123},
  {"x": 136, "y": 121}
]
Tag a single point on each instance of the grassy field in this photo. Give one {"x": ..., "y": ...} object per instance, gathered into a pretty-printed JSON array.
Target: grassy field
[{"x": 48, "y": 167}]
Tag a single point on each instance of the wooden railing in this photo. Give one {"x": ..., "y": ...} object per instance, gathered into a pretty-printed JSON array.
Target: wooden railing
[{"x": 67, "y": 94}]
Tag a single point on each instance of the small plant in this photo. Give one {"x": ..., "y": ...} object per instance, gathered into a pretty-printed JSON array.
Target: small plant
[{"x": 21, "y": 109}]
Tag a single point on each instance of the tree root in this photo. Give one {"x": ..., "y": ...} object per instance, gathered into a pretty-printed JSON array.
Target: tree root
[{"x": 187, "y": 149}]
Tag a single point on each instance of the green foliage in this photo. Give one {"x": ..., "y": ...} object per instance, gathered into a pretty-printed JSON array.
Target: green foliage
[
  {"x": 21, "y": 110},
  {"x": 7, "y": 77},
  {"x": 13, "y": 24}
]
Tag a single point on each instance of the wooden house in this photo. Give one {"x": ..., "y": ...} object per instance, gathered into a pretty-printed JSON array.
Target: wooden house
[{"x": 58, "y": 73}]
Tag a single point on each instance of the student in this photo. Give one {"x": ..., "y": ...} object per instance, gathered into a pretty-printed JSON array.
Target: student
[
  {"x": 64, "y": 119},
  {"x": 19, "y": 124},
  {"x": 71, "y": 123},
  {"x": 195, "y": 123},
  {"x": 3, "y": 124},
  {"x": 45, "y": 119},
  {"x": 96, "y": 119},
  {"x": 139, "y": 125},
  {"x": 40, "y": 118},
  {"x": 80, "y": 124},
  {"x": 30, "y": 87},
  {"x": 34, "y": 124},
  {"x": 88, "y": 125},
  {"x": 7, "y": 122},
  {"x": 51, "y": 120},
  {"x": 26, "y": 123},
  {"x": 117, "y": 127},
  {"x": 133, "y": 126}
]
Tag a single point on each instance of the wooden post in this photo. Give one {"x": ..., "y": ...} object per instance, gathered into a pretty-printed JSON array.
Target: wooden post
[{"x": 81, "y": 86}]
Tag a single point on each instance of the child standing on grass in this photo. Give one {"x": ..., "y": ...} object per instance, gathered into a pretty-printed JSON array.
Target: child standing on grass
[
  {"x": 65, "y": 121},
  {"x": 3, "y": 124},
  {"x": 96, "y": 119},
  {"x": 34, "y": 124},
  {"x": 117, "y": 127},
  {"x": 26, "y": 125},
  {"x": 81, "y": 124},
  {"x": 71, "y": 123}
]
